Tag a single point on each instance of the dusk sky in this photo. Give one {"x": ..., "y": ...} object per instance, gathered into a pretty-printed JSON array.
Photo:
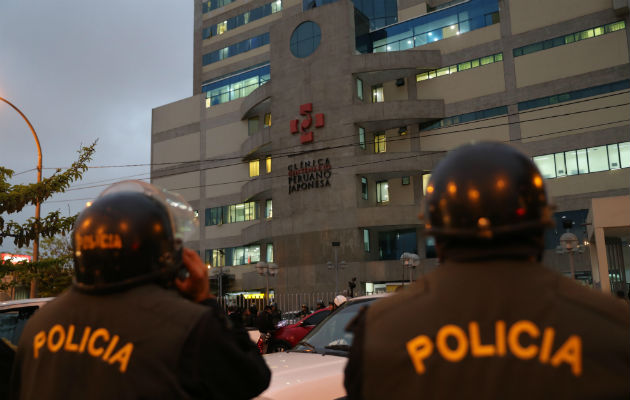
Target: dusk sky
[{"x": 82, "y": 70}]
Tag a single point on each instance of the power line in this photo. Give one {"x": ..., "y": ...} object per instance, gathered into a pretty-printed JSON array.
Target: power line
[
  {"x": 287, "y": 151},
  {"x": 424, "y": 154}
]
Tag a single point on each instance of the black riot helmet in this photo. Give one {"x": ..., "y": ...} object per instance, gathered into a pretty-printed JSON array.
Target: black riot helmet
[
  {"x": 131, "y": 234},
  {"x": 486, "y": 193}
]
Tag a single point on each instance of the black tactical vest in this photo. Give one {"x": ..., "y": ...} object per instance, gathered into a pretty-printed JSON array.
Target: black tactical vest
[
  {"x": 117, "y": 346},
  {"x": 496, "y": 330}
]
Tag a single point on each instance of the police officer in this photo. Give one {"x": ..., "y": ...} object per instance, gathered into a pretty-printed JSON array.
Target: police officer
[
  {"x": 139, "y": 321},
  {"x": 490, "y": 322}
]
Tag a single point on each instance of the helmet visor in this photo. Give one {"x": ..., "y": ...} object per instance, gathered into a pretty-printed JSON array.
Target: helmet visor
[{"x": 183, "y": 219}]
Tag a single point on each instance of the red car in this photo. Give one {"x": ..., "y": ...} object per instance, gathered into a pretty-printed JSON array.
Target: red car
[{"x": 288, "y": 336}]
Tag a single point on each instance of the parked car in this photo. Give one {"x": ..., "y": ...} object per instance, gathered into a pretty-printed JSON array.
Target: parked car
[
  {"x": 15, "y": 313},
  {"x": 314, "y": 368},
  {"x": 287, "y": 336}
]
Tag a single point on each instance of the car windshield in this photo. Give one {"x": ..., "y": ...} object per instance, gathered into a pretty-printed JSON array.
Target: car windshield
[{"x": 331, "y": 337}]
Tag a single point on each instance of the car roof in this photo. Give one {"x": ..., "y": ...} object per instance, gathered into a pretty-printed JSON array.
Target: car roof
[{"x": 8, "y": 305}]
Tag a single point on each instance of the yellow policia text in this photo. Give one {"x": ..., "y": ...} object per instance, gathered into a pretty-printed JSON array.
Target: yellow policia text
[
  {"x": 101, "y": 241},
  {"x": 570, "y": 352},
  {"x": 98, "y": 343}
]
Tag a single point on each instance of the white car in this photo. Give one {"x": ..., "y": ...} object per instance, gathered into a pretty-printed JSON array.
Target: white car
[
  {"x": 15, "y": 313},
  {"x": 314, "y": 369}
]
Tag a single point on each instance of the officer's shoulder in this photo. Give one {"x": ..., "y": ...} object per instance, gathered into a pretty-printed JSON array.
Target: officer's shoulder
[{"x": 593, "y": 301}]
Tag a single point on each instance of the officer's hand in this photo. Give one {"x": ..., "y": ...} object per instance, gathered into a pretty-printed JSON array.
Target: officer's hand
[{"x": 196, "y": 286}]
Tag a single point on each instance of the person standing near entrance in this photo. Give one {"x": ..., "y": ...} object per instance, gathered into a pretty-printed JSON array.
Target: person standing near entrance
[
  {"x": 491, "y": 322},
  {"x": 139, "y": 321}
]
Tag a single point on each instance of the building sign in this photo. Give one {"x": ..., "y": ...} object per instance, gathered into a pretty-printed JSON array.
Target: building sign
[
  {"x": 310, "y": 174},
  {"x": 15, "y": 258},
  {"x": 306, "y": 135}
]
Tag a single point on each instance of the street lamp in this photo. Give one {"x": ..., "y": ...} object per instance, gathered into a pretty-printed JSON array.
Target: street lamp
[
  {"x": 409, "y": 260},
  {"x": 219, "y": 275},
  {"x": 267, "y": 269},
  {"x": 569, "y": 244},
  {"x": 33, "y": 292},
  {"x": 336, "y": 265}
]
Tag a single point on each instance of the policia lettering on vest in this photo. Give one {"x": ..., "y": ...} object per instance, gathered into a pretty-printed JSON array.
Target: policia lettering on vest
[
  {"x": 97, "y": 343},
  {"x": 139, "y": 321},
  {"x": 422, "y": 347},
  {"x": 490, "y": 321}
]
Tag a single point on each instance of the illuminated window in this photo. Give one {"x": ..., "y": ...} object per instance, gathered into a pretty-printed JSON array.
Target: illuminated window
[
  {"x": 364, "y": 188},
  {"x": 221, "y": 27},
  {"x": 377, "y": 94},
  {"x": 254, "y": 168},
  {"x": 267, "y": 121},
  {"x": 242, "y": 212},
  {"x": 366, "y": 240},
  {"x": 380, "y": 143},
  {"x": 362, "y": 138},
  {"x": 269, "y": 252},
  {"x": 425, "y": 182},
  {"x": 269, "y": 209},
  {"x": 382, "y": 192},
  {"x": 268, "y": 164}
]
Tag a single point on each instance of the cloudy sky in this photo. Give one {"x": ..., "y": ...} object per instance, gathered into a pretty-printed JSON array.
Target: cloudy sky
[{"x": 82, "y": 70}]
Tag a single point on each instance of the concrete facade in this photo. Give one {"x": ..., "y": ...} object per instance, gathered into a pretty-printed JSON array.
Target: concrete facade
[{"x": 205, "y": 152}]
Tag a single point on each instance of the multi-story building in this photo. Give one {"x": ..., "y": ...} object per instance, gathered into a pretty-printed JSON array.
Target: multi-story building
[{"x": 314, "y": 127}]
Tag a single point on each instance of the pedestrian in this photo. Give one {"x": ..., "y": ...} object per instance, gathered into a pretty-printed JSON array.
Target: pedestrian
[
  {"x": 139, "y": 321},
  {"x": 320, "y": 305},
  {"x": 266, "y": 328},
  {"x": 491, "y": 322},
  {"x": 276, "y": 314},
  {"x": 235, "y": 316},
  {"x": 304, "y": 311}
]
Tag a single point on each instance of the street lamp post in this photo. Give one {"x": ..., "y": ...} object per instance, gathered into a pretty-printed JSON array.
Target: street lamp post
[
  {"x": 336, "y": 265},
  {"x": 267, "y": 269},
  {"x": 33, "y": 292},
  {"x": 569, "y": 244},
  {"x": 411, "y": 261}
]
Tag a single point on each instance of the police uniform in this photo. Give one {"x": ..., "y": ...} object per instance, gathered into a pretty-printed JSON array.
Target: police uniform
[
  {"x": 498, "y": 329},
  {"x": 490, "y": 322},
  {"x": 123, "y": 331},
  {"x": 146, "y": 342}
]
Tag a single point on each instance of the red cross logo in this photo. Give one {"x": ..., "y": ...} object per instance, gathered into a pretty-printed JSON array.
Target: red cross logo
[{"x": 306, "y": 136}]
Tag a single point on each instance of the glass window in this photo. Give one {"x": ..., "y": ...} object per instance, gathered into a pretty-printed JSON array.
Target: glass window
[
  {"x": 380, "y": 143},
  {"x": 269, "y": 252},
  {"x": 366, "y": 240},
  {"x": 362, "y": 138},
  {"x": 561, "y": 169},
  {"x": 582, "y": 161},
  {"x": 267, "y": 122},
  {"x": 405, "y": 180},
  {"x": 546, "y": 165},
  {"x": 377, "y": 94},
  {"x": 624, "y": 154},
  {"x": 218, "y": 258},
  {"x": 305, "y": 39},
  {"x": 425, "y": 182},
  {"x": 364, "y": 188},
  {"x": 597, "y": 158},
  {"x": 382, "y": 192},
  {"x": 613, "y": 157},
  {"x": 268, "y": 164},
  {"x": 429, "y": 247},
  {"x": 268, "y": 209},
  {"x": 359, "y": 89},
  {"x": 214, "y": 216},
  {"x": 571, "y": 162},
  {"x": 252, "y": 126},
  {"x": 254, "y": 168}
]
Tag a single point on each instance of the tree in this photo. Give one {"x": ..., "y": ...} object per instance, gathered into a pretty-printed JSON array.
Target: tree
[
  {"x": 13, "y": 198},
  {"x": 53, "y": 272}
]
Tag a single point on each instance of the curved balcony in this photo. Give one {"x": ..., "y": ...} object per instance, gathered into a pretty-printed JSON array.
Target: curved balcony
[
  {"x": 383, "y": 67},
  {"x": 257, "y": 232},
  {"x": 256, "y": 100},
  {"x": 255, "y": 142},
  {"x": 392, "y": 114},
  {"x": 256, "y": 189}
]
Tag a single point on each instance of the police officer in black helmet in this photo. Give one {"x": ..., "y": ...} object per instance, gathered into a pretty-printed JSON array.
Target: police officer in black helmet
[
  {"x": 139, "y": 321},
  {"x": 490, "y": 322}
]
